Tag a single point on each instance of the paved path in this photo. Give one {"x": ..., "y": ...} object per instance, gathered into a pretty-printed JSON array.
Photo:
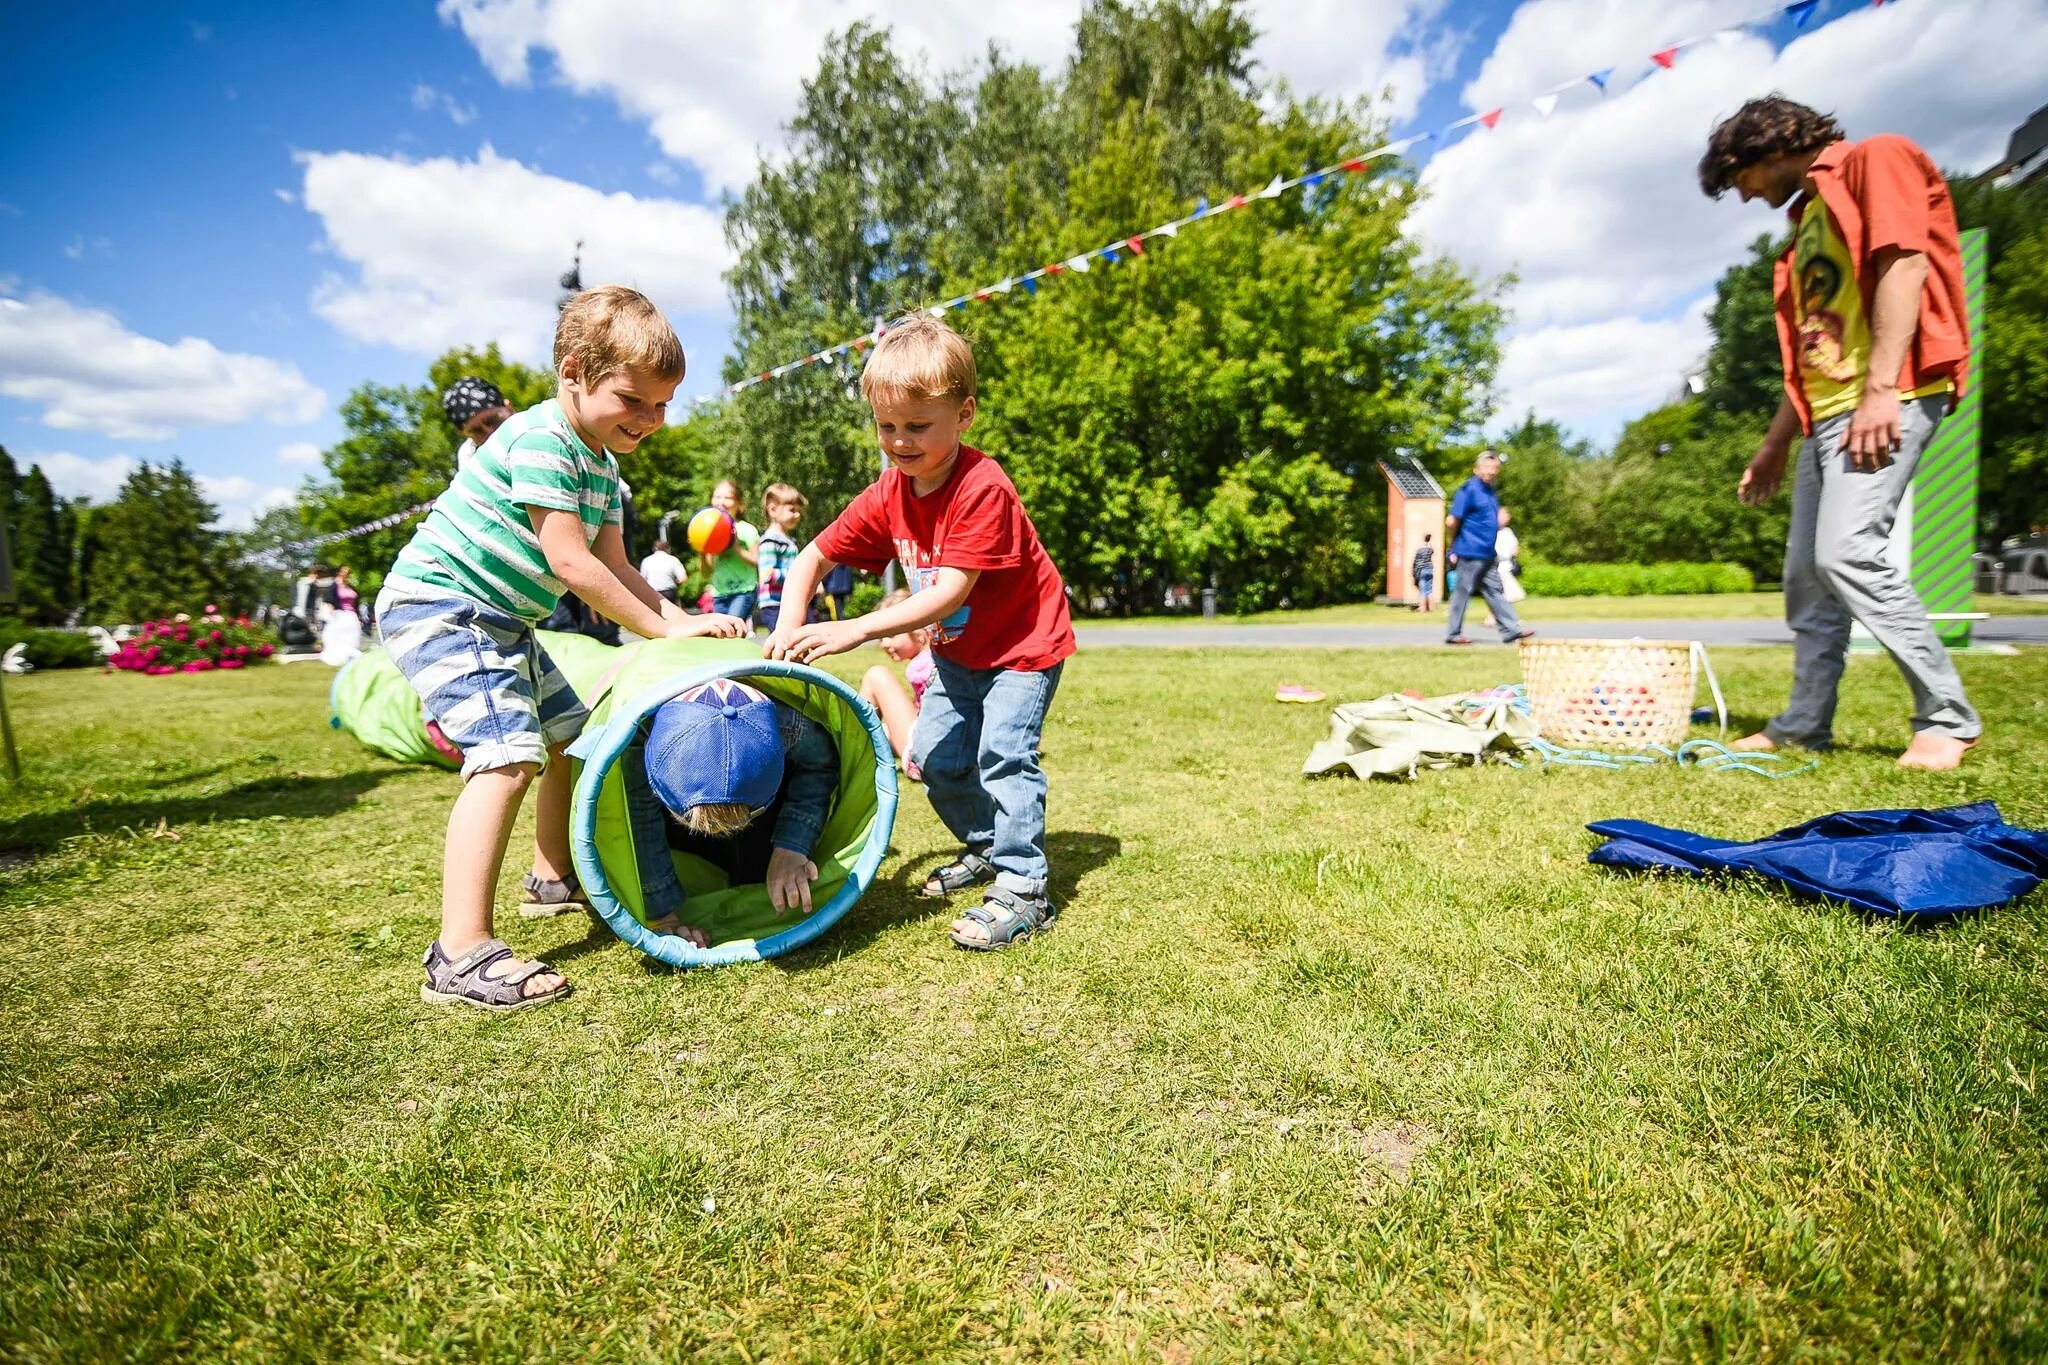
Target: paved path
[{"x": 1999, "y": 630}]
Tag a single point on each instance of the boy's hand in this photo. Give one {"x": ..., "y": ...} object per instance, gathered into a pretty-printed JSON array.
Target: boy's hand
[
  {"x": 790, "y": 875},
  {"x": 710, "y": 623},
  {"x": 818, "y": 640}
]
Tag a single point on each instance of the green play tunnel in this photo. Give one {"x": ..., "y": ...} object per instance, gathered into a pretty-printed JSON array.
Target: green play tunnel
[{"x": 624, "y": 687}]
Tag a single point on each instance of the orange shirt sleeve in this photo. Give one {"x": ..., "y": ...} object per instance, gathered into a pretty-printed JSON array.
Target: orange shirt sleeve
[{"x": 1892, "y": 188}]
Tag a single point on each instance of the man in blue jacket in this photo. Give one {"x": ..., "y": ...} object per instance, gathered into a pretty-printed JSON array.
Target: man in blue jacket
[{"x": 1475, "y": 522}]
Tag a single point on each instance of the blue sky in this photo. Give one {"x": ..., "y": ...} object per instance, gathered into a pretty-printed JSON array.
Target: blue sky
[{"x": 222, "y": 217}]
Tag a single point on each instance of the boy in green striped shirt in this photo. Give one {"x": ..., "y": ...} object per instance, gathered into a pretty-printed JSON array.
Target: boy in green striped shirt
[{"x": 538, "y": 511}]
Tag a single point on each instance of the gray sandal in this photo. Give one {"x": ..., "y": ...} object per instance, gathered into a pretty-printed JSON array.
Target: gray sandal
[
  {"x": 969, "y": 869},
  {"x": 468, "y": 980},
  {"x": 546, "y": 899},
  {"x": 1005, "y": 917}
]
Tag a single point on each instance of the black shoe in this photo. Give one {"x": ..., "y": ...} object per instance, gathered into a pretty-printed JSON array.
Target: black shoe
[{"x": 1459, "y": 640}]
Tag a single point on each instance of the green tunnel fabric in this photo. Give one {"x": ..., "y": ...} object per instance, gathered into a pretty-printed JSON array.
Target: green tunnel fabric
[
  {"x": 743, "y": 926},
  {"x": 372, "y": 700}
]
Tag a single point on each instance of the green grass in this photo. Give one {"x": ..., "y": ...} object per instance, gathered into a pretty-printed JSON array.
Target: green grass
[
  {"x": 1307, "y": 1069},
  {"x": 1731, "y": 606}
]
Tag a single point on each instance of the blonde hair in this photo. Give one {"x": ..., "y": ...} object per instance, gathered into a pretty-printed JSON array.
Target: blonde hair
[
  {"x": 716, "y": 819},
  {"x": 612, "y": 328},
  {"x": 783, "y": 492},
  {"x": 920, "y": 358},
  {"x": 891, "y": 599}
]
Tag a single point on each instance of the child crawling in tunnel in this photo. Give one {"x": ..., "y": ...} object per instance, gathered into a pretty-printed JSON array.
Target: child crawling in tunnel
[{"x": 738, "y": 779}]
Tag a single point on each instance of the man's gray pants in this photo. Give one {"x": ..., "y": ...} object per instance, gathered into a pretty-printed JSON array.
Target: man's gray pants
[
  {"x": 1483, "y": 574},
  {"x": 1839, "y": 568}
]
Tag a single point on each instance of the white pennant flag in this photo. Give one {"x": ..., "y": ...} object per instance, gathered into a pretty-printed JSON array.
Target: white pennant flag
[
  {"x": 1078, "y": 264},
  {"x": 1004, "y": 287},
  {"x": 1272, "y": 190},
  {"x": 1545, "y": 104},
  {"x": 938, "y": 311},
  {"x": 1731, "y": 35},
  {"x": 1166, "y": 230}
]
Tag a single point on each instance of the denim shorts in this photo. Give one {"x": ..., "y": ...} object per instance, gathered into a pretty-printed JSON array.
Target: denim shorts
[{"x": 483, "y": 676}]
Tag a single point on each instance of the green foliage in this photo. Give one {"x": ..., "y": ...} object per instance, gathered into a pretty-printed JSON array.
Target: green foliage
[
  {"x": 2010, "y": 366},
  {"x": 1745, "y": 372},
  {"x": 1217, "y": 407},
  {"x": 48, "y": 648},
  {"x": 1634, "y": 580},
  {"x": 152, "y": 553},
  {"x": 42, "y": 532}
]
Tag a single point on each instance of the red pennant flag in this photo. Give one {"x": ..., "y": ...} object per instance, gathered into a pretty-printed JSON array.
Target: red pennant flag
[
  {"x": 763, "y": 377},
  {"x": 1055, "y": 268},
  {"x": 860, "y": 343},
  {"x": 980, "y": 294},
  {"x": 1136, "y": 244},
  {"x": 1357, "y": 163},
  {"x": 1491, "y": 118},
  {"x": 1665, "y": 58},
  {"x": 1236, "y": 202}
]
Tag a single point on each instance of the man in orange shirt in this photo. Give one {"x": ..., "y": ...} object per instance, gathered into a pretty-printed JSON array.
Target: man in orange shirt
[{"x": 1875, "y": 341}]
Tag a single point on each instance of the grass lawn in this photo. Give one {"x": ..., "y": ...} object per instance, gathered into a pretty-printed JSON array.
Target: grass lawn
[
  {"x": 1307, "y": 1070},
  {"x": 1729, "y": 606}
]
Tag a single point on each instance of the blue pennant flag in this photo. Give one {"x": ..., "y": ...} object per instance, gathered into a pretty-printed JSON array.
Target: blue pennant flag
[
  {"x": 1802, "y": 12},
  {"x": 1030, "y": 285},
  {"x": 960, "y": 302},
  {"x": 1599, "y": 78},
  {"x": 1201, "y": 207},
  {"x": 1311, "y": 180},
  {"x": 1108, "y": 253}
]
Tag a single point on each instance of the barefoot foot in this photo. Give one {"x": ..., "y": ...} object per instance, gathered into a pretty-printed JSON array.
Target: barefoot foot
[
  {"x": 1935, "y": 753},
  {"x": 1758, "y": 743}
]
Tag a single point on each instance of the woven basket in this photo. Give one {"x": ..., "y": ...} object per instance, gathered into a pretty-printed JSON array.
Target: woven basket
[{"x": 1610, "y": 694}]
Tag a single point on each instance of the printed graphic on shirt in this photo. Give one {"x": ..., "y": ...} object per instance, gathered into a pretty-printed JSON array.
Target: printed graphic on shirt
[
  {"x": 921, "y": 575},
  {"x": 1834, "y": 338}
]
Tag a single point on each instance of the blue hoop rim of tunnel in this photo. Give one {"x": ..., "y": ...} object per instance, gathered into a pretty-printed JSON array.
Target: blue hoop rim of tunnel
[{"x": 599, "y": 752}]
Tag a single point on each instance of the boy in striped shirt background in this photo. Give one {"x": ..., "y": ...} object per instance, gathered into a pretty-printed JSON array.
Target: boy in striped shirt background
[{"x": 538, "y": 511}]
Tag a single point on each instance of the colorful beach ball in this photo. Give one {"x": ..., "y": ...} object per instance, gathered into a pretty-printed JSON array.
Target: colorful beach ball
[{"x": 710, "y": 531}]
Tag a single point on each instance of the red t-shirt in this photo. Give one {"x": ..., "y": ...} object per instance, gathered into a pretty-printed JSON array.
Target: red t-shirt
[{"x": 1016, "y": 614}]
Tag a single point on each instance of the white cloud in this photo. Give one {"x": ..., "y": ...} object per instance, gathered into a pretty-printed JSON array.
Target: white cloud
[
  {"x": 298, "y": 453},
  {"x": 285, "y": 196},
  {"x": 90, "y": 373},
  {"x": 1578, "y": 371},
  {"x": 1597, "y": 208},
  {"x": 239, "y": 500},
  {"x": 445, "y": 252},
  {"x": 426, "y": 97},
  {"x": 716, "y": 83},
  {"x": 79, "y": 476}
]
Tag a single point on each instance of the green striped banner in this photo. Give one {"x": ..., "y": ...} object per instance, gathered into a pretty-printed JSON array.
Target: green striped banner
[{"x": 1945, "y": 484}]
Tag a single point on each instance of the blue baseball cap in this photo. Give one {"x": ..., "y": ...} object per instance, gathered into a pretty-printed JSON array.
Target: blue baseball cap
[{"x": 720, "y": 742}]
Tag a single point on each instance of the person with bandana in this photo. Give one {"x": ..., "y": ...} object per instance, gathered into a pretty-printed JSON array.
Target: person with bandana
[{"x": 476, "y": 409}]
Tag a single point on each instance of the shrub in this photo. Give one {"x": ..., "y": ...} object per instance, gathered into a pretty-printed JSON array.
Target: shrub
[
  {"x": 1634, "y": 580},
  {"x": 49, "y": 648},
  {"x": 867, "y": 595},
  {"x": 183, "y": 645}
]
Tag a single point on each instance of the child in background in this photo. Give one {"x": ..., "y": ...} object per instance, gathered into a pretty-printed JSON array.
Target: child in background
[
  {"x": 997, "y": 607},
  {"x": 536, "y": 512},
  {"x": 745, "y": 783},
  {"x": 734, "y": 573},
  {"x": 896, "y": 704},
  {"x": 778, "y": 548}
]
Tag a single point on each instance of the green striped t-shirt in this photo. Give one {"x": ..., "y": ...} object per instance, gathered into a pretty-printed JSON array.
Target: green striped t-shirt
[{"x": 478, "y": 540}]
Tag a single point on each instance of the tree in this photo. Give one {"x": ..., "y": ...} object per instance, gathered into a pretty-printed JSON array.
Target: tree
[
  {"x": 153, "y": 553},
  {"x": 1553, "y": 485},
  {"x": 1745, "y": 371},
  {"x": 2010, "y": 366}
]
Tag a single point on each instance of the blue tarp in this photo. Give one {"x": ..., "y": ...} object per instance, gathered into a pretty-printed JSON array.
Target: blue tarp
[{"x": 1919, "y": 864}]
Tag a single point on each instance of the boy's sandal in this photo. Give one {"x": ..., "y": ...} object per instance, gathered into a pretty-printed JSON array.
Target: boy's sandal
[
  {"x": 543, "y": 899},
  {"x": 469, "y": 980},
  {"x": 1003, "y": 918},
  {"x": 969, "y": 869}
]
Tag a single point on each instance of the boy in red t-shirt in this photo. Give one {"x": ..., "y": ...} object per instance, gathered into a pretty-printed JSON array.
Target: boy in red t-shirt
[{"x": 997, "y": 611}]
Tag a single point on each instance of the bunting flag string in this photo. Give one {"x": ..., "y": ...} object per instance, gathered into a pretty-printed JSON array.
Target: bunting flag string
[
  {"x": 383, "y": 523},
  {"x": 1800, "y": 12}
]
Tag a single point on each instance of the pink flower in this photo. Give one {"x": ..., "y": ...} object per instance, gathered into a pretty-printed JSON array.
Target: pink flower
[
  {"x": 264, "y": 650},
  {"x": 231, "y": 663},
  {"x": 158, "y": 670}
]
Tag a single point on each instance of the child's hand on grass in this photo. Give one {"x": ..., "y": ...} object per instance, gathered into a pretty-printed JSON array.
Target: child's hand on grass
[
  {"x": 790, "y": 875},
  {"x": 710, "y": 623},
  {"x": 818, "y": 640}
]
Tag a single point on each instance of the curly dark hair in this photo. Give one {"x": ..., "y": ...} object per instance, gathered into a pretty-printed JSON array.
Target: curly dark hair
[{"x": 1763, "y": 128}]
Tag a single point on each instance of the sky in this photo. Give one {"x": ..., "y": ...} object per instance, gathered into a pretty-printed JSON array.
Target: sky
[{"x": 222, "y": 217}]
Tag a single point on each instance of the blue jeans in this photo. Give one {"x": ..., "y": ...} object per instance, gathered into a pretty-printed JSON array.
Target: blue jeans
[
  {"x": 740, "y": 604},
  {"x": 977, "y": 742},
  {"x": 1483, "y": 574}
]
